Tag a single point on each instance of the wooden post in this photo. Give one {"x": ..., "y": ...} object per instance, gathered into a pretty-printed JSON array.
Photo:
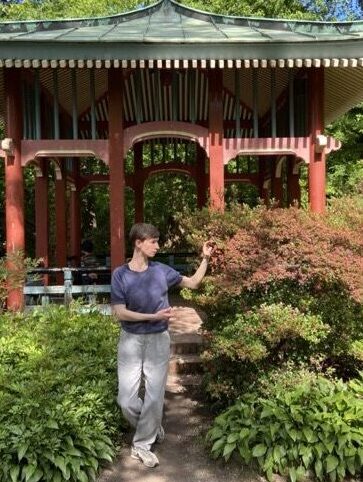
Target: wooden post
[
  {"x": 42, "y": 213},
  {"x": 316, "y": 124},
  {"x": 75, "y": 217},
  {"x": 201, "y": 177},
  {"x": 138, "y": 183},
  {"x": 14, "y": 184},
  {"x": 61, "y": 223},
  {"x": 216, "y": 133},
  {"x": 277, "y": 187},
  {"x": 116, "y": 164},
  {"x": 293, "y": 186}
]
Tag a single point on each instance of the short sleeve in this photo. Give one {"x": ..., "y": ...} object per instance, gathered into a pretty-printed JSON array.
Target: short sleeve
[
  {"x": 173, "y": 278},
  {"x": 117, "y": 292}
]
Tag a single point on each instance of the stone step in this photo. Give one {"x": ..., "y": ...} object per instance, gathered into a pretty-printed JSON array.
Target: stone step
[
  {"x": 185, "y": 364},
  {"x": 183, "y": 383},
  {"x": 186, "y": 343}
]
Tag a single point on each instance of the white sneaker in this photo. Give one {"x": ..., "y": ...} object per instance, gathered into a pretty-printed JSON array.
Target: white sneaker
[
  {"x": 147, "y": 457},
  {"x": 160, "y": 436}
]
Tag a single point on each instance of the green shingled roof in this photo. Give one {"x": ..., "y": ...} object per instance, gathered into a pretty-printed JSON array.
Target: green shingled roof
[{"x": 162, "y": 26}]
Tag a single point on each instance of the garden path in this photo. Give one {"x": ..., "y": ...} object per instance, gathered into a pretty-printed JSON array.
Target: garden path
[{"x": 183, "y": 456}]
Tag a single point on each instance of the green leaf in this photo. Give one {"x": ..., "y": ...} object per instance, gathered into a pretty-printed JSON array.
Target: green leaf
[
  {"x": 51, "y": 423},
  {"x": 244, "y": 433},
  {"x": 75, "y": 452},
  {"x": 333, "y": 475},
  {"x": 233, "y": 437},
  {"x": 14, "y": 473},
  {"x": 38, "y": 474},
  {"x": 259, "y": 450},
  {"x": 22, "y": 450},
  {"x": 292, "y": 474},
  {"x": 215, "y": 433},
  {"x": 218, "y": 445},
  {"x": 28, "y": 471},
  {"x": 318, "y": 469},
  {"x": 228, "y": 449},
  {"x": 351, "y": 465},
  {"x": 82, "y": 476},
  {"x": 331, "y": 463}
]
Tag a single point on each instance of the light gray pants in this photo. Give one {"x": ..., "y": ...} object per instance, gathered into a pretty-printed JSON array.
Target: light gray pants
[{"x": 146, "y": 355}]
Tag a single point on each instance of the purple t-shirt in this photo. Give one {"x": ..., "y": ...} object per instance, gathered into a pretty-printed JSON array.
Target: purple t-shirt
[{"x": 143, "y": 292}]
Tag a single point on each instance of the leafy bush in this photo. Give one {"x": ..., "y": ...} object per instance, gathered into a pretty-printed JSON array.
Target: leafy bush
[
  {"x": 277, "y": 273},
  {"x": 13, "y": 270},
  {"x": 316, "y": 426},
  {"x": 251, "y": 344},
  {"x": 58, "y": 416}
]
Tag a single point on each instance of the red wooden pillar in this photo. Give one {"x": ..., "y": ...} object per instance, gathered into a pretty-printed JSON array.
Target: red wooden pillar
[
  {"x": 75, "y": 215},
  {"x": 116, "y": 164},
  {"x": 60, "y": 222},
  {"x": 138, "y": 183},
  {"x": 277, "y": 186},
  {"x": 317, "y": 159},
  {"x": 201, "y": 178},
  {"x": 42, "y": 213},
  {"x": 293, "y": 186},
  {"x": 216, "y": 133},
  {"x": 14, "y": 186}
]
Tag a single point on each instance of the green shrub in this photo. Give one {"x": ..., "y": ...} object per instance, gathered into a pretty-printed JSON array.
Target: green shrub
[
  {"x": 249, "y": 344},
  {"x": 58, "y": 416},
  {"x": 316, "y": 426},
  {"x": 13, "y": 270},
  {"x": 307, "y": 267}
]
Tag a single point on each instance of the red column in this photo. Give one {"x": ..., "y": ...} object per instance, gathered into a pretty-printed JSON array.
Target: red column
[
  {"x": 75, "y": 215},
  {"x": 277, "y": 187},
  {"x": 317, "y": 159},
  {"x": 293, "y": 186},
  {"x": 216, "y": 166},
  {"x": 201, "y": 178},
  {"x": 61, "y": 223},
  {"x": 116, "y": 164},
  {"x": 42, "y": 214},
  {"x": 138, "y": 183},
  {"x": 14, "y": 187}
]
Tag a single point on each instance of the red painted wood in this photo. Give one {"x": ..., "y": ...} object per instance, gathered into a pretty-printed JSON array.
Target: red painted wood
[
  {"x": 64, "y": 148},
  {"x": 293, "y": 186},
  {"x": 277, "y": 187},
  {"x": 14, "y": 185},
  {"x": 75, "y": 216},
  {"x": 42, "y": 214},
  {"x": 138, "y": 183},
  {"x": 274, "y": 146},
  {"x": 116, "y": 164},
  {"x": 201, "y": 178},
  {"x": 317, "y": 159},
  {"x": 165, "y": 129},
  {"x": 216, "y": 166},
  {"x": 60, "y": 224}
]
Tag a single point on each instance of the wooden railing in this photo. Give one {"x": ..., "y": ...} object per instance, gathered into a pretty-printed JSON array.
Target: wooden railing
[{"x": 35, "y": 289}]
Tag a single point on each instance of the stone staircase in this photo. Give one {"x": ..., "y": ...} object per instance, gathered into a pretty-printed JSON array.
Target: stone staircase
[{"x": 185, "y": 368}]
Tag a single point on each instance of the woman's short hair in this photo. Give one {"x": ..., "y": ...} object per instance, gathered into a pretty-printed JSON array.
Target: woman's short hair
[{"x": 143, "y": 231}]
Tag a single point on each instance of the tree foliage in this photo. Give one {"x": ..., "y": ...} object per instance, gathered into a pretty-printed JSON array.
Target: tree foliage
[{"x": 304, "y": 9}]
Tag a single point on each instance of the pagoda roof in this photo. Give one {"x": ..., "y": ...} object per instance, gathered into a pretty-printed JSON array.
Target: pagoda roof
[{"x": 168, "y": 30}]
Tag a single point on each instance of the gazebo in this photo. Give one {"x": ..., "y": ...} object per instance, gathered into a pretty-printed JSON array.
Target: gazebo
[{"x": 167, "y": 75}]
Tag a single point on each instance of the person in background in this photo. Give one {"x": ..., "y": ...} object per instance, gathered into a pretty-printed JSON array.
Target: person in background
[{"x": 139, "y": 298}]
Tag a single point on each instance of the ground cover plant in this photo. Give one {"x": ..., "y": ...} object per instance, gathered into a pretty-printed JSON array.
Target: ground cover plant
[
  {"x": 316, "y": 426},
  {"x": 284, "y": 306},
  {"x": 58, "y": 416}
]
